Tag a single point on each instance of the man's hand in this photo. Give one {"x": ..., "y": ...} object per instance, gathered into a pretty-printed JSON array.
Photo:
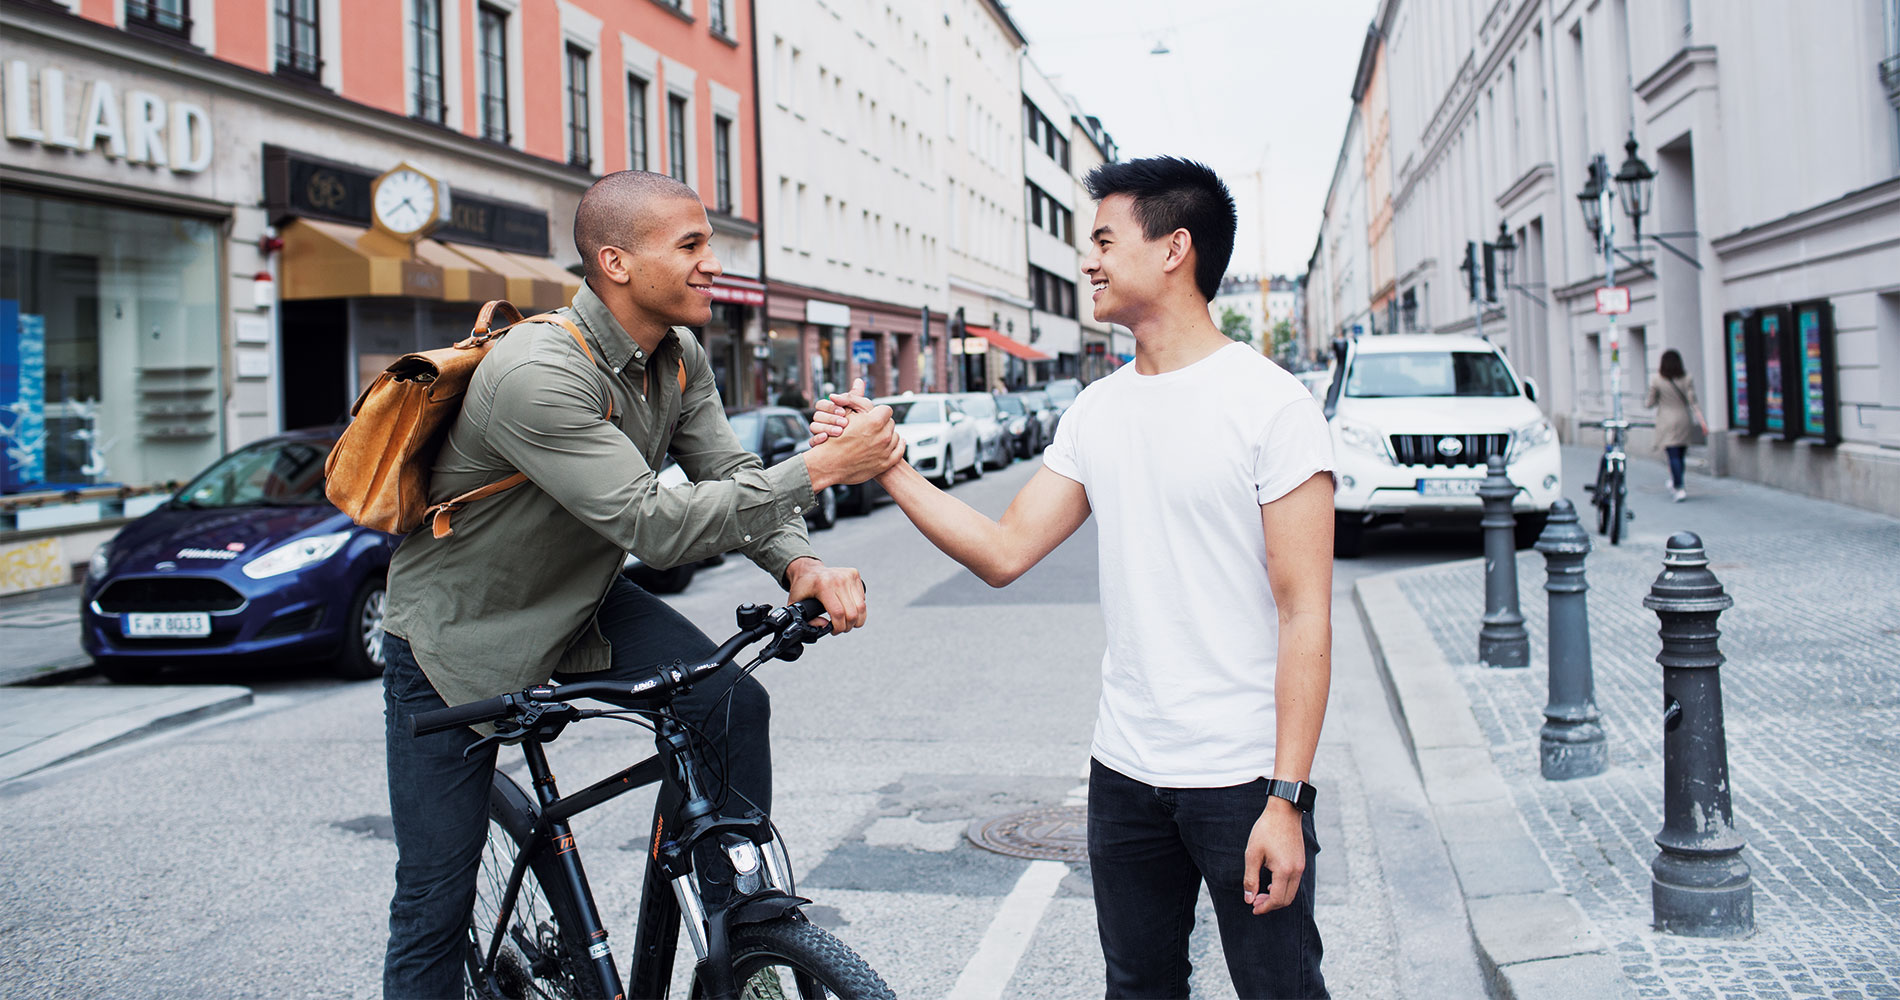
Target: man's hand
[
  {"x": 834, "y": 414},
  {"x": 841, "y": 591},
  {"x": 867, "y": 447},
  {"x": 1278, "y": 843}
]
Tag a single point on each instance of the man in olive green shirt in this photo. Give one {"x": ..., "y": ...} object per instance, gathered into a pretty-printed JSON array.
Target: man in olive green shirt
[{"x": 527, "y": 585}]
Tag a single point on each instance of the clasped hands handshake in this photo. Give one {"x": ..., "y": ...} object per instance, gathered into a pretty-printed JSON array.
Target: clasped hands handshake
[{"x": 852, "y": 441}]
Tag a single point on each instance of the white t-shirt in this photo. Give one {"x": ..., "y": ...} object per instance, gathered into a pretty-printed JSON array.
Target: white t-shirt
[{"x": 1177, "y": 466}]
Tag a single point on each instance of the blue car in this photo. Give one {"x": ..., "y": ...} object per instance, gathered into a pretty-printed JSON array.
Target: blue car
[{"x": 248, "y": 563}]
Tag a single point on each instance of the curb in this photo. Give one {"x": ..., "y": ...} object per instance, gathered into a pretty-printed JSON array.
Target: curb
[
  {"x": 1531, "y": 937},
  {"x": 57, "y": 672},
  {"x": 182, "y": 706}
]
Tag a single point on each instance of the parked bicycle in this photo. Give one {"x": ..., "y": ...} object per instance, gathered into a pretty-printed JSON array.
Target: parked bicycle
[
  {"x": 535, "y": 930},
  {"x": 1610, "y": 493}
]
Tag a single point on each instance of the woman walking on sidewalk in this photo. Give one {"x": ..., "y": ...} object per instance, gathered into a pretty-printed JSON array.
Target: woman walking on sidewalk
[{"x": 1672, "y": 396}]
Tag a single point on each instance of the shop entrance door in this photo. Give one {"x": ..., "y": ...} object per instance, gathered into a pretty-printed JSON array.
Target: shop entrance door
[{"x": 316, "y": 340}]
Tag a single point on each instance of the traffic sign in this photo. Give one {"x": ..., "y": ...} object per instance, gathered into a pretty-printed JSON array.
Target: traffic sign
[
  {"x": 1613, "y": 301},
  {"x": 864, "y": 352}
]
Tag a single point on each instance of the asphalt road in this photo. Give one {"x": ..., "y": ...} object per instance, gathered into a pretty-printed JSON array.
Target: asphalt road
[{"x": 250, "y": 855}]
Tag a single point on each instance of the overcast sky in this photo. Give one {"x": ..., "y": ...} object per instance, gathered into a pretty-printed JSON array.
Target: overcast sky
[{"x": 1257, "y": 89}]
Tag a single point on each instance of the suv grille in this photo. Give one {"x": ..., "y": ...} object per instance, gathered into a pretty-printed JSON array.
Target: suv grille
[
  {"x": 182, "y": 593},
  {"x": 1472, "y": 449}
]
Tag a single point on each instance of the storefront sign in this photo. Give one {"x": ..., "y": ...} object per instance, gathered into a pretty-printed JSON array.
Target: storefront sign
[
  {"x": 827, "y": 313},
  {"x": 297, "y": 184},
  {"x": 80, "y": 116}
]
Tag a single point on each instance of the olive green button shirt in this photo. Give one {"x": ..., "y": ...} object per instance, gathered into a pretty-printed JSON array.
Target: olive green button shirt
[{"x": 509, "y": 597}]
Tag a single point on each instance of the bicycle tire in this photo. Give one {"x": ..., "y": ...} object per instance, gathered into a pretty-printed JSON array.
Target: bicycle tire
[
  {"x": 541, "y": 958},
  {"x": 818, "y": 964},
  {"x": 1615, "y": 507}
]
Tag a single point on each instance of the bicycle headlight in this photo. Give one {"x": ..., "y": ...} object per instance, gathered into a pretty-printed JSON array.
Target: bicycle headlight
[
  {"x": 295, "y": 554},
  {"x": 1363, "y": 438},
  {"x": 1531, "y": 435}
]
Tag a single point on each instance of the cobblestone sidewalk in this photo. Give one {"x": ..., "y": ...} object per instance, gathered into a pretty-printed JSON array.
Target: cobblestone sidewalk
[{"x": 1812, "y": 698}]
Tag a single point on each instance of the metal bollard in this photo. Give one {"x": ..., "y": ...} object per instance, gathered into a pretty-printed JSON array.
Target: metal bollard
[
  {"x": 1502, "y": 641},
  {"x": 1699, "y": 883},
  {"x": 1571, "y": 743}
]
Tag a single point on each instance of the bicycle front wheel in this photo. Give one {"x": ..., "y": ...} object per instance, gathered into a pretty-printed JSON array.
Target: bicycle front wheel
[
  {"x": 540, "y": 955},
  {"x": 791, "y": 957},
  {"x": 1614, "y": 508}
]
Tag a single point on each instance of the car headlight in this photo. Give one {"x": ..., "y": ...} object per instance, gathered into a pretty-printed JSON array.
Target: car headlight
[
  {"x": 96, "y": 566},
  {"x": 1530, "y": 436},
  {"x": 1018, "y": 425},
  {"x": 925, "y": 441},
  {"x": 295, "y": 554},
  {"x": 1364, "y": 438}
]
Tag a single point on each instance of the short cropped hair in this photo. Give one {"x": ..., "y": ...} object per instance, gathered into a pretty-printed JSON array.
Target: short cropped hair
[
  {"x": 1173, "y": 193},
  {"x": 613, "y": 212}
]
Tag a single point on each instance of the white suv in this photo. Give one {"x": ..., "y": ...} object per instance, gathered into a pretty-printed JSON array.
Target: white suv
[{"x": 1415, "y": 416}]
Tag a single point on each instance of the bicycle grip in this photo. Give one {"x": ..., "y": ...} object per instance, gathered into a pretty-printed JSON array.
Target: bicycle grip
[
  {"x": 809, "y": 608},
  {"x": 443, "y": 719}
]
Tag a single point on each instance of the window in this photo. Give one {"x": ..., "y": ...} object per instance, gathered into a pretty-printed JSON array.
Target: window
[
  {"x": 716, "y": 18},
  {"x": 676, "y": 137},
  {"x": 298, "y": 40},
  {"x": 637, "y": 122},
  {"x": 494, "y": 74},
  {"x": 1052, "y": 294},
  {"x": 579, "y": 142},
  {"x": 172, "y": 17},
  {"x": 428, "y": 41},
  {"x": 722, "y": 164}
]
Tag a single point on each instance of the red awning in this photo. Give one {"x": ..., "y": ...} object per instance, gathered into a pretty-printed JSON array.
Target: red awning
[
  {"x": 737, "y": 290},
  {"x": 1014, "y": 348}
]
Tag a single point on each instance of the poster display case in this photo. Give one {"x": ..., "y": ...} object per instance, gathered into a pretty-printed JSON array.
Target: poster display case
[{"x": 1818, "y": 413}]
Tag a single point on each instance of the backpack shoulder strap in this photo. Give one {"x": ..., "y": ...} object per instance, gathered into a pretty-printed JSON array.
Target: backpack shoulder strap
[{"x": 575, "y": 332}]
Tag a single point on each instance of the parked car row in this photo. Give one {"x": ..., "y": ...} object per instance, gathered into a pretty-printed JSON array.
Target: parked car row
[{"x": 250, "y": 563}]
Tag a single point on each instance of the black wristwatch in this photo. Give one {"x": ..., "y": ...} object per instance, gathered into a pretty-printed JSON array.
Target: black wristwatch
[{"x": 1299, "y": 793}]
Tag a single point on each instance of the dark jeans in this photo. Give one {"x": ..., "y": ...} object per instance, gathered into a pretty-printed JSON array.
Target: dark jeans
[
  {"x": 1149, "y": 851},
  {"x": 439, "y": 801},
  {"x": 1676, "y": 455}
]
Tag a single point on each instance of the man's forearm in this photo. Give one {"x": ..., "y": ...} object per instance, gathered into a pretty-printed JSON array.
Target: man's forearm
[
  {"x": 1301, "y": 681},
  {"x": 953, "y": 526}
]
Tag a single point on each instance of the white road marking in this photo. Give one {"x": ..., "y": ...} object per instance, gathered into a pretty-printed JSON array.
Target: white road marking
[{"x": 997, "y": 955}]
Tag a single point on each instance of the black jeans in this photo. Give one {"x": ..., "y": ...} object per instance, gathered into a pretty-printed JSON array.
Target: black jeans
[
  {"x": 1149, "y": 851},
  {"x": 439, "y": 801}
]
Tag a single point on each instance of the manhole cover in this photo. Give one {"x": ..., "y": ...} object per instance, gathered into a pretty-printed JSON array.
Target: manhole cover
[{"x": 1059, "y": 833}]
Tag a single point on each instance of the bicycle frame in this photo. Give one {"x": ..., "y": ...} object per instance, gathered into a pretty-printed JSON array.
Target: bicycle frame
[{"x": 657, "y": 929}]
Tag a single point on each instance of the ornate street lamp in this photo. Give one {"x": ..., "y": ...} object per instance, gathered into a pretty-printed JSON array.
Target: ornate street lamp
[
  {"x": 1502, "y": 252},
  {"x": 1590, "y": 197},
  {"x": 1634, "y": 184}
]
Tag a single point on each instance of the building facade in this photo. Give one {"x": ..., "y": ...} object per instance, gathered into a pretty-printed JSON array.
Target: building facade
[
  {"x": 1049, "y": 215},
  {"x": 1105, "y": 346},
  {"x": 1775, "y": 276},
  {"x": 189, "y": 262},
  {"x": 1337, "y": 295}
]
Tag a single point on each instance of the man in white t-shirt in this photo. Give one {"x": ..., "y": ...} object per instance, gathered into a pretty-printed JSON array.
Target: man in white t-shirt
[{"x": 1209, "y": 470}]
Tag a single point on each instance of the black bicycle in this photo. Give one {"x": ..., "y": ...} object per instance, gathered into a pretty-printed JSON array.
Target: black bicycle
[{"x": 535, "y": 930}]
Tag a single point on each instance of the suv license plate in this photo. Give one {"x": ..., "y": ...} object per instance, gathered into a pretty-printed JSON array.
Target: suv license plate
[
  {"x": 1449, "y": 487},
  {"x": 178, "y": 623}
]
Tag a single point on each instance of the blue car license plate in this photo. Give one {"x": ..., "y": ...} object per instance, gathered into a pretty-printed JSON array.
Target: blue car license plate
[
  {"x": 173, "y": 624},
  {"x": 1449, "y": 487}
]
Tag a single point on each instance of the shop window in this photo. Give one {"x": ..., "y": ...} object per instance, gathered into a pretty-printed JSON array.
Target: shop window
[
  {"x": 494, "y": 74},
  {"x": 165, "y": 17},
  {"x": 299, "y": 39},
  {"x": 109, "y": 344},
  {"x": 427, "y": 27}
]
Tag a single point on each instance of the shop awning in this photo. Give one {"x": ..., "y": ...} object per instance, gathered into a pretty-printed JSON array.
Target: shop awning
[
  {"x": 1013, "y": 348},
  {"x": 329, "y": 260},
  {"x": 532, "y": 282},
  {"x": 738, "y": 291}
]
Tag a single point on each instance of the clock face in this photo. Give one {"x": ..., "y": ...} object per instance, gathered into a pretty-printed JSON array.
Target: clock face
[{"x": 405, "y": 201}]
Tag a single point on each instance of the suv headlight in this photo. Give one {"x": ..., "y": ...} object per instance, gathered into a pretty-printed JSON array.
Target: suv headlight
[
  {"x": 96, "y": 566},
  {"x": 1364, "y": 438},
  {"x": 295, "y": 554},
  {"x": 1530, "y": 436}
]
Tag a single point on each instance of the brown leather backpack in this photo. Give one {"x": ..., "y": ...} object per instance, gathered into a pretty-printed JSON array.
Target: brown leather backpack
[{"x": 378, "y": 473}]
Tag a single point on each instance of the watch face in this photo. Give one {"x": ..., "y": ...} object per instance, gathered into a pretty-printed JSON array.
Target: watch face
[{"x": 405, "y": 201}]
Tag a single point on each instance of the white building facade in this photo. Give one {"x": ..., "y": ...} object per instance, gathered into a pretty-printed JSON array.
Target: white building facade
[
  {"x": 1105, "y": 346},
  {"x": 1049, "y": 212},
  {"x": 1337, "y": 303},
  {"x": 1766, "y": 255}
]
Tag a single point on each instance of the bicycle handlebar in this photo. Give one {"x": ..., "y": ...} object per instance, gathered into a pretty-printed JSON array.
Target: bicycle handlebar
[{"x": 664, "y": 681}]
